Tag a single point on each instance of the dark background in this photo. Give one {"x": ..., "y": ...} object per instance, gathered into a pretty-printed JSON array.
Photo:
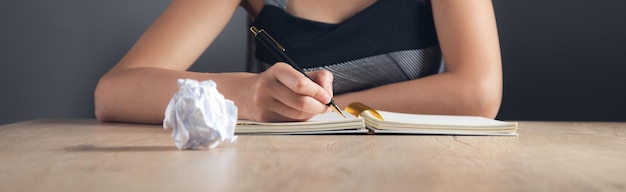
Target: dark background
[{"x": 563, "y": 60}]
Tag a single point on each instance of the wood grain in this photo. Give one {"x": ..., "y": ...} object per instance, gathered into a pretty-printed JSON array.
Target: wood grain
[{"x": 85, "y": 155}]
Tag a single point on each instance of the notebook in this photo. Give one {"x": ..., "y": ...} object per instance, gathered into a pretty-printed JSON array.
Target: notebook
[{"x": 366, "y": 120}]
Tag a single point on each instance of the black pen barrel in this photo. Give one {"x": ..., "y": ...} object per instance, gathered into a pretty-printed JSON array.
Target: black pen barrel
[{"x": 279, "y": 54}]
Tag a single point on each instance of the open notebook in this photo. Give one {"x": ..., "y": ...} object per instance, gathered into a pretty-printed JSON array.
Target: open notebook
[{"x": 376, "y": 121}]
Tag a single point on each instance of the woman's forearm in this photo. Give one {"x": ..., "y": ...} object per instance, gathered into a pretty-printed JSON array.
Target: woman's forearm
[
  {"x": 437, "y": 94},
  {"x": 141, "y": 95}
]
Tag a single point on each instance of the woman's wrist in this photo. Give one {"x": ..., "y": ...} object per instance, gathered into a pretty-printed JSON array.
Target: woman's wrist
[{"x": 234, "y": 87}]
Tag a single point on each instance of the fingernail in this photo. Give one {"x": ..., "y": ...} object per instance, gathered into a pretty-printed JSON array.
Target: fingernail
[{"x": 326, "y": 99}]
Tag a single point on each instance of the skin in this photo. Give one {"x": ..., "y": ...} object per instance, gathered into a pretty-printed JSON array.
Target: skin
[{"x": 138, "y": 88}]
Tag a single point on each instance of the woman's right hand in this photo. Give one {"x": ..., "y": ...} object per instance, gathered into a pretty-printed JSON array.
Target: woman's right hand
[{"x": 281, "y": 93}]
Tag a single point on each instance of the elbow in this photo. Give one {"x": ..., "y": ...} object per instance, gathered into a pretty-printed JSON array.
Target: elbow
[
  {"x": 101, "y": 101},
  {"x": 480, "y": 97},
  {"x": 485, "y": 106},
  {"x": 488, "y": 109},
  {"x": 486, "y": 99},
  {"x": 100, "y": 112}
]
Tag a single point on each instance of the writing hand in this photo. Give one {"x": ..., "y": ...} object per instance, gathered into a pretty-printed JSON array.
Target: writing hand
[{"x": 281, "y": 93}]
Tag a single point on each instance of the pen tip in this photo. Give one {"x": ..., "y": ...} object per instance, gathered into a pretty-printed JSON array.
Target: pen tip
[{"x": 337, "y": 110}]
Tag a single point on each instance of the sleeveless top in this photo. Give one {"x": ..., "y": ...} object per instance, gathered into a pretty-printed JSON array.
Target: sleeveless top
[{"x": 389, "y": 41}]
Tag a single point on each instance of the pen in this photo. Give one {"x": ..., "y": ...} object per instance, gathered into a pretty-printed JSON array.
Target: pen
[{"x": 279, "y": 52}]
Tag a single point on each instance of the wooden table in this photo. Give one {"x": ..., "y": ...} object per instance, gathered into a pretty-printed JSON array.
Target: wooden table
[{"x": 85, "y": 155}]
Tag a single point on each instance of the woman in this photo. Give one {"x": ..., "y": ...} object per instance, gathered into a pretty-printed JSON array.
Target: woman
[{"x": 382, "y": 53}]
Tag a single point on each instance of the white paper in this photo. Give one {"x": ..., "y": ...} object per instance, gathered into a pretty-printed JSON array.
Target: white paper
[{"x": 199, "y": 116}]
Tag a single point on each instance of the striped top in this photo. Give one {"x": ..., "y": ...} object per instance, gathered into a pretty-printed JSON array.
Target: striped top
[{"x": 389, "y": 41}]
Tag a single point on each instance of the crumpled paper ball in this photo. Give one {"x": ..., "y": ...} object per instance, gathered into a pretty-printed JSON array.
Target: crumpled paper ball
[{"x": 199, "y": 116}]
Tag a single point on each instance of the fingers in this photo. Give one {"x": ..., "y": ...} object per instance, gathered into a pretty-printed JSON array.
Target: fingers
[
  {"x": 273, "y": 110},
  {"x": 323, "y": 78},
  {"x": 282, "y": 112},
  {"x": 282, "y": 93},
  {"x": 297, "y": 91},
  {"x": 302, "y": 85},
  {"x": 296, "y": 101}
]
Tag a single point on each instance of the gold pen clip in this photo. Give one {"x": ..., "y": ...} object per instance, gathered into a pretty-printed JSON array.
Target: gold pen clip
[{"x": 256, "y": 31}]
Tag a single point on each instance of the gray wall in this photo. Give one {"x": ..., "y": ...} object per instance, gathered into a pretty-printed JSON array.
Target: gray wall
[
  {"x": 53, "y": 52},
  {"x": 563, "y": 60}
]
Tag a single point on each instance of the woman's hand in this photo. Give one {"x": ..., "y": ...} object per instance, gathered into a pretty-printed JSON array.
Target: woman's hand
[{"x": 281, "y": 93}]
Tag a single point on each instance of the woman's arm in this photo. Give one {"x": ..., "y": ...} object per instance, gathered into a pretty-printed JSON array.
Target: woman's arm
[
  {"x": 472, "y": 82},
  {"x": 138, "y": 88}
]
